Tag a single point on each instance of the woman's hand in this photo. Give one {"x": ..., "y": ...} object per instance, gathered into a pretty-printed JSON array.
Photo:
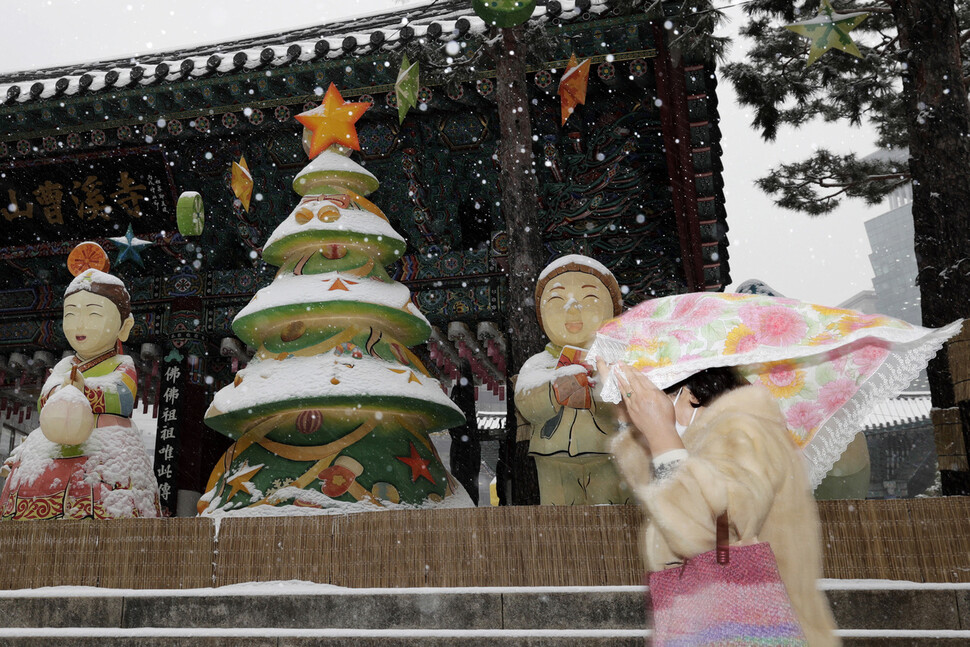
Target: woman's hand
[
  {"x": 74, "y": 378},
  {"x": 648, "y": 408}
]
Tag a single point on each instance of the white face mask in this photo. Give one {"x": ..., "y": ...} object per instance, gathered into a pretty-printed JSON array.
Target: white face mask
[{"x": 679, "y": 427}]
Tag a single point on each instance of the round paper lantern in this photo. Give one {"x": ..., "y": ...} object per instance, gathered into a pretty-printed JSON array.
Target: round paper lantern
[
  {"x": 66, "y": 418},
  {"x": 504, "y": 13},
  {"x": 86, "y": 256}
]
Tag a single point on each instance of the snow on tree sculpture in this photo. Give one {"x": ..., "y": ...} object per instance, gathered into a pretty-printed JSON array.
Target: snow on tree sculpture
[{"x": 335, "y": 410}]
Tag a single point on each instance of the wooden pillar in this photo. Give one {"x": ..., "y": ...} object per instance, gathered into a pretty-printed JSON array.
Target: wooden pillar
[
  {"x": 520, "y": 198},
  {"x": 675, "y": 126}
]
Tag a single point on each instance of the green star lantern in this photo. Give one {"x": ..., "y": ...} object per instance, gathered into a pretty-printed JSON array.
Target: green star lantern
[
  {"x": 406, "y": 86},
  {"x": 829, "y": 30},
  {"x": 504, "y": 13}
]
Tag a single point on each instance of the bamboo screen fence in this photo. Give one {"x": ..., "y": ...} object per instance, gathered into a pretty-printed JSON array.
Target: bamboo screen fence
[{"x": 922, "y": 540}]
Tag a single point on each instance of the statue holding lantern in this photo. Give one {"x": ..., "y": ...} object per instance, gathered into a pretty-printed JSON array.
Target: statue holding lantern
[
  {"x": 87, "y": 459},
  {"x": 555, "y": 391}
]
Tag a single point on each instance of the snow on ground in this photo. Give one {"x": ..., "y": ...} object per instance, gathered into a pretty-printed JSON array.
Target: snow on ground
[
  {"x": 330, "y": 632},
  {"x": 301, "y": 587}
]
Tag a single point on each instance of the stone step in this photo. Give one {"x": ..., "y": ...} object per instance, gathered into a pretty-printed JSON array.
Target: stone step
[
  {"x": 169, "y": 637},
  {"x": 856, "y": 605}
]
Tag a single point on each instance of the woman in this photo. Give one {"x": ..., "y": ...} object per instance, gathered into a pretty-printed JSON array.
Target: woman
[
  {"x": 100, "y": 469},
  {"x": 734, "y": 454}
]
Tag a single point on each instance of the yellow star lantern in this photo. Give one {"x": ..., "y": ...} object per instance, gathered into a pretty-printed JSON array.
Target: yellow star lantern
[
  {"x": 829, "y": 30},
  {"x": 332, "y": 122},
  {"x": 572, "y": 87},
  {"x": 242, "y": 182}
]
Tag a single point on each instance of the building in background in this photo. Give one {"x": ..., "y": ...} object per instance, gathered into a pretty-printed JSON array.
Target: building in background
[
  {"x": 893, "y": 259},
  {"x": 90, "y": 151},
  {"x": 902, "y": 451},
  {"x": 894, "y": 264}
]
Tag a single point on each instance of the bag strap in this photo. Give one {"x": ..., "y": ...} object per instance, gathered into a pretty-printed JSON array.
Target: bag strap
[{"x": 722, "y": 556}]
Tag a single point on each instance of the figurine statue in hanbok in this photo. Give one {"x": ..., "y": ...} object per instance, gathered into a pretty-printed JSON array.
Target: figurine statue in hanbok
[
  {"x": 555, "y": 391},
  {"x": 87, "y": 459}
]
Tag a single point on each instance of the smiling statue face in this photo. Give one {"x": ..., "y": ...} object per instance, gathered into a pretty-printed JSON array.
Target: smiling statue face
[
  {"x": 92, "y": 324},
  {"x": 573, "y": 306}
]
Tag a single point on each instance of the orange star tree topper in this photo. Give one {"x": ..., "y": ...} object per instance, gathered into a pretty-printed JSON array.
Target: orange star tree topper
[{"x": 332, "y": 122}]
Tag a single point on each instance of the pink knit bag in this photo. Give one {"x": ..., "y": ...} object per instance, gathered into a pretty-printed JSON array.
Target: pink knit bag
[{"x": 723, "y": 597}]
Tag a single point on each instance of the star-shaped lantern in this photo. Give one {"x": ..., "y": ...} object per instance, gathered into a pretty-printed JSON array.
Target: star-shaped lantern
[
  {"x": 572, "y": 87},
  {"x": 406, "y": 87},
  {"x": 332, "y": 122},
  {"x": 829, "y": 30},
  {"x": 418, "y": 465},
  {"x": 129, "y": 247},
  {"x": 242, "y": 182}
]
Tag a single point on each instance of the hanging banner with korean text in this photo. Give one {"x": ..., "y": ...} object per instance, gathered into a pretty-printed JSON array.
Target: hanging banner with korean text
[
  {"x": 88, "y": 196},
  {"x": 167, "y": 438}
]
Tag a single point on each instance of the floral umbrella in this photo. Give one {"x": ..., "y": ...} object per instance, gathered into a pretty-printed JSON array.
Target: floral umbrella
[{"x": 827, "y": 367}]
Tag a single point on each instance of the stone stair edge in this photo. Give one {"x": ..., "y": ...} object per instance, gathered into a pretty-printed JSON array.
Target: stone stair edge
[{"x": 549, "y": 609}]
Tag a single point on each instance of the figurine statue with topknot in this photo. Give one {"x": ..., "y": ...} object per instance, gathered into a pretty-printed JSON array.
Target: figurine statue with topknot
[
  {"x": 556, "y": 390},
  {"x": 87, "y": 459}
]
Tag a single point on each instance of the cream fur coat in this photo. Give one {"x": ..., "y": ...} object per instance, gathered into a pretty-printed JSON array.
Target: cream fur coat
[{"x": 742, "y": 460}]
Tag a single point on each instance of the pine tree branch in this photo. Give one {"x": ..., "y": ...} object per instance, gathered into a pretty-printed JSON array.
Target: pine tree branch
[
  {"x": 806, "y": 186},
  {"x": 870, "y": 9},
  {"x": 871, "y": 178}
]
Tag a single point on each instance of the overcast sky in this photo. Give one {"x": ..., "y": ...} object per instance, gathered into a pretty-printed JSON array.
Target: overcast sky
[{"x": 822, "y": 260}]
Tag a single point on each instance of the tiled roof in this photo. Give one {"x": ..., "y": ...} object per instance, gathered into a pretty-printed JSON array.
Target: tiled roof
[
  {"x": 904, "y": 409},
  {"x": 757, "y": 286},
  {"x": 441, "y": 20}
]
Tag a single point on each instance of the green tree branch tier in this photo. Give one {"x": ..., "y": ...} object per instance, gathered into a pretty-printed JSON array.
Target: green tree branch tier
[
  {"x": 340, "y": 389},
  {"x": 294, "y": 306},
  {"x": 335, "y": 410},
  {"x": 333, "y": 173}
]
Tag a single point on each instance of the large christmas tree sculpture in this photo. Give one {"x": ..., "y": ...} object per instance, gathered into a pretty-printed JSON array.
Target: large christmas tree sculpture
[{"x": 334, "y": 406}]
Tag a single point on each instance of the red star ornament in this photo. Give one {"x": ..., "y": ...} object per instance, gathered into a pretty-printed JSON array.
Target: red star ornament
[
  {"x": 418, "y": 465},
  {"x": 572, "y": 87},
  {"x": 332, "y": 122}
]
